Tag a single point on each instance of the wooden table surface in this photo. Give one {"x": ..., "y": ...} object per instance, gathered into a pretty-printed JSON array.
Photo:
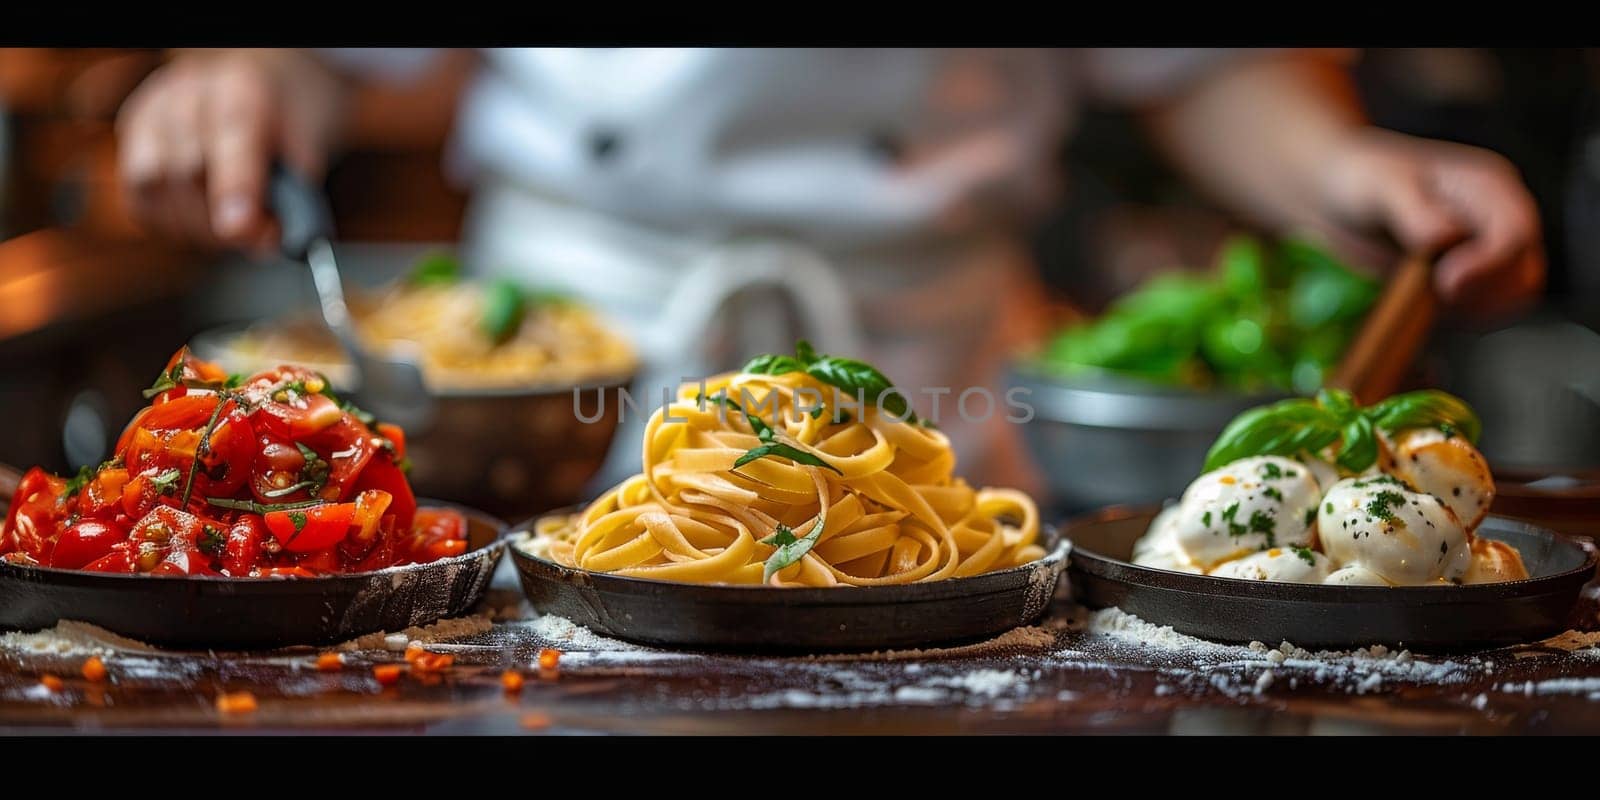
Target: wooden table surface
[{"x": 1064, "y": 676}]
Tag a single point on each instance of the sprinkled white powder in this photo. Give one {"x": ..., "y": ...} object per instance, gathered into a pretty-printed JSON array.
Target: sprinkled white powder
[{"x": 442, "y": 631}]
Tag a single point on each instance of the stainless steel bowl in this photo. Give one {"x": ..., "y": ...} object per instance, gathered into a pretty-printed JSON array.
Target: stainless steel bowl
[
  {"x": 512, "y": 452},
  {"x": 1104, "y": 440}
]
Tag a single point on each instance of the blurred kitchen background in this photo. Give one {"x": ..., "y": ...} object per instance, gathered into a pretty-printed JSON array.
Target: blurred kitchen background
[{"x": 84, "y": 312}]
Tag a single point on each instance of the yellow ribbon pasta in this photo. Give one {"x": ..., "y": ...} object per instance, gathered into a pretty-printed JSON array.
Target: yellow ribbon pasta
[{"x": 891, "y": 509}]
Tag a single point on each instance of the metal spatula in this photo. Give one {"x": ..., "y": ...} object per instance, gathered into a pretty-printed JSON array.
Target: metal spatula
[{"x": 388, "y": 384}]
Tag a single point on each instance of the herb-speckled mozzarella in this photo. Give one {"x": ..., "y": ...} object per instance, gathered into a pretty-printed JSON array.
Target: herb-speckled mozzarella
[
  {"x": 1408, "y": 538},
  {"x": 1287, "y": 564},
  {"x": 1495, "y": 562},
  {"x": 1354, "y": 576},
  {"x": 1158, "y": 547},
  {"x": 1448, "y": 467},
  {"x": 1249, "y": 505}
]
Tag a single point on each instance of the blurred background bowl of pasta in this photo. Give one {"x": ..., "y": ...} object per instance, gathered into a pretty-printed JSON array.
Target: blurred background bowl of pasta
[{"x": 524, "y": 381}]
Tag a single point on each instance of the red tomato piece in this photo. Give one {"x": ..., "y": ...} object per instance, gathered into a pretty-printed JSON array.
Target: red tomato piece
[
  {"x": 299, "y": 415},
  {"x": 348, "y": 447},
  {"x": 243, "y": 551},
  {"x": 86, "y": 541},
  {"x": 396, "y": 435},
  {"x": 189, "y": 411},
  {"x": 120, "y": 559},
  {"x": 310, "y": 529},
  {"x": 103, "y": 496},
  {"x": 164, "y": 534},
  {"x": 37, "y": 509},
  {"x": 382, "y": 475}
]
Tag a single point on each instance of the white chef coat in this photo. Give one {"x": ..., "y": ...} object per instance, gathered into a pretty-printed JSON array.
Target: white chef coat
[{"x": 880, "y": 188}]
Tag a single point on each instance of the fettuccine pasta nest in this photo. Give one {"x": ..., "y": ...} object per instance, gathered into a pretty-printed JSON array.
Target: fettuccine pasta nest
[{"x": 891, "y": 510}]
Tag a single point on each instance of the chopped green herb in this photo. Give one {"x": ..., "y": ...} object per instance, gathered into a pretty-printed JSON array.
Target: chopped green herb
[
  {"x": 211, "y": 541},
  {"x": 1271, "y": 471},
  {"x": 816, "y": 413},
  {"x": 169, "y": 379},
  {"x": 1382, "y": 505},
  {"x": 1305, "y": 554},
  {"x": 166, "y": 482},
  {"x": 1228, "y": 515},
  {"x": 259, "y": 508},
  {"x": 234, "y": 381},
  {"x": 1205, "y": 519},
  {"x": 77, "y": 482},
  {"x": 1328, "y": 507},
  {"x": 204, "y": 447},
  {"x": 1272, "y": 492},
  {"x": 1311, "y": 516},
  {"x": 362, "y": 415},
  {"x": 404, "y": 464}
]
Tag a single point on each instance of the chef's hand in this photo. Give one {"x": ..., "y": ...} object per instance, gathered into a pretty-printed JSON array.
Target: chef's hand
[
  {"x": 196, "y": 140},
  {"x": 1465, "y": 205}
]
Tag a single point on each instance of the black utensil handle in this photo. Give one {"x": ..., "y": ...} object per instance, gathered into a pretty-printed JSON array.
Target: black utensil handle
[{"x": 301, "y": 210}]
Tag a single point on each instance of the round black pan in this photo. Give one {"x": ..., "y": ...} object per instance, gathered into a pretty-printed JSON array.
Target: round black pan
[
  {"x": 1424, "y": 618},
  {"x": 764, "y": 619},
  {"x": 245, "y": 613}
]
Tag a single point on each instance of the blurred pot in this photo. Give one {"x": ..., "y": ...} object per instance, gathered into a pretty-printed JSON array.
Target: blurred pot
[
  {"x": 512, "y": 452},
  {"x": 1103, "y": 440}
]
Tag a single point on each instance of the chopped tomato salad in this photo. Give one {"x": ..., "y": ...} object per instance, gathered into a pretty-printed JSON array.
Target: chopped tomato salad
[{"x": 261, "y": 476}]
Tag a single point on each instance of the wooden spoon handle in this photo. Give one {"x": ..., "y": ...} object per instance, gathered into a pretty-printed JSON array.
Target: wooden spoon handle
[{"x": 1392, "y": 334}]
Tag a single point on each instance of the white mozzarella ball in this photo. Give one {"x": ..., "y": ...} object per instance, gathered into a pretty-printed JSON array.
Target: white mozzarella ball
[
  {"x": 1158, "y": 547},
  {"x": 1446, "y": 466},
  {"x": 1249, "y": 505},
  {"x": 1286, "y": 564},
  {"x": 1354, "y": 576},
  {"x": 1406, "y": 537}
]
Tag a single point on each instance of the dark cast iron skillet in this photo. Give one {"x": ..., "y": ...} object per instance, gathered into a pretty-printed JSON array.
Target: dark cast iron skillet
[
  {"x": 766, "y": 619},
  {"x": 1427, "y": 618},
  {"x": 251, "y": 613}
]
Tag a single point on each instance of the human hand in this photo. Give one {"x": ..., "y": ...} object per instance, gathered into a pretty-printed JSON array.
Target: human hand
[
  {"x": 197, "y": 138},
  {"x": 1464, "y": 205}
]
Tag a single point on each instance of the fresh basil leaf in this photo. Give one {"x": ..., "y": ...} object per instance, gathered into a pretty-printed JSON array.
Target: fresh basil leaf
[
  {"x": 791, "y": 551},
  {"x": 758, "y": 425},
  {"x": 258, "y": 508},
  {"x": 805, "y": 352},
  {"x": 1358, "y": 448},
  {"x": 1337, "y": 401},
  {"x": 436, "y": 269},
  {"x": 1284, "y": 428},
  {"x": 503, "y": 309},
  {"x": 234, "y": 381},
  {"x": 794, "y": 454},
  {"x": 1429, "y": 408},
  {"x": 770, "y": 364}
]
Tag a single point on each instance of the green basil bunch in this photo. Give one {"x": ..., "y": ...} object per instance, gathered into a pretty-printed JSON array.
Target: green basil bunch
[
  {"x": 1303, "y": 425},
  {"x": 850, "y": 376}
]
